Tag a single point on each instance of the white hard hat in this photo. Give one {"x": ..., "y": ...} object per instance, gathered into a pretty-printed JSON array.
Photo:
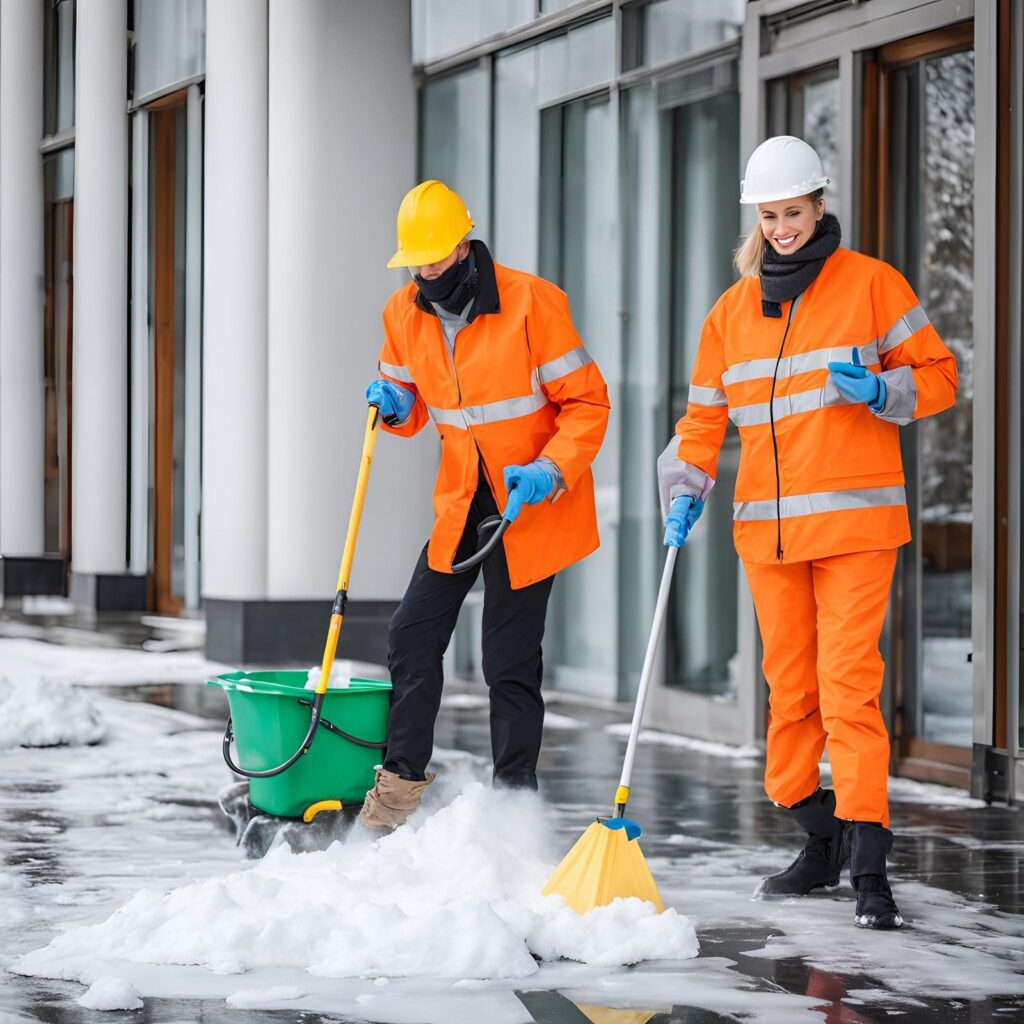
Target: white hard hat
[{"x": 782, "y": 167}]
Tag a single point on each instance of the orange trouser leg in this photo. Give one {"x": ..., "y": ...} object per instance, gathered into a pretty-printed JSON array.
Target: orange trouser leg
[
  {"x": 787, "y": 616},
  {"x": 852, "y": 593}
]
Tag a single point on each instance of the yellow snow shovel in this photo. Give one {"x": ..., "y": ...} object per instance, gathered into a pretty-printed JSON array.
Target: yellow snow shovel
[{"x": 607, "y": 861}]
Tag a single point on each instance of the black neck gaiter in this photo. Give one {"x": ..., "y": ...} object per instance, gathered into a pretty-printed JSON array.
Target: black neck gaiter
[
  {"x": 454, "y": 289},
  {"x": 785, "y": 277}
]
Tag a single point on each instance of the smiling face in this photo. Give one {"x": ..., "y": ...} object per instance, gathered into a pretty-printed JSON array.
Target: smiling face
[{"x": 789, "y": 224}]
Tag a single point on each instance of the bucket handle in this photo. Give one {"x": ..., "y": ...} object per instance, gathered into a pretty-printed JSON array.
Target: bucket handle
[
  {"x": 267, "y": 773},
  {"x": 315, "y": 721},
  {"x": 331, "y": 727}
]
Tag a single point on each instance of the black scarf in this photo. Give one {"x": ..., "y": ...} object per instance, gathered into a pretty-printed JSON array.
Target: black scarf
[
  {"x": 785, "y": 277},
  {"x": 479, "y": 284},
  {"x": 453, "y": 289}
]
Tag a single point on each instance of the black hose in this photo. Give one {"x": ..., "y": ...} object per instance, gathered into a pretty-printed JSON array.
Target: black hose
[
  {"x": 267, "y": 773},
  {"x": 499, "y": 526}
]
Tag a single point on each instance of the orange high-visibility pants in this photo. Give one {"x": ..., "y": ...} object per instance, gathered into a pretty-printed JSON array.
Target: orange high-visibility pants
[{"x": 820, "y": 621}]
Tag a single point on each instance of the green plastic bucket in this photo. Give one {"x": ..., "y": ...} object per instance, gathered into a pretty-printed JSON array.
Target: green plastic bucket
[{"x": 269, "y": 725}]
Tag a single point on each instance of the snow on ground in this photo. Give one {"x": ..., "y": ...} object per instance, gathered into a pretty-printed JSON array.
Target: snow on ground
[
  {"x": 101, "y": 666},
  {"x": 37, "y": 713},
  {"x": 472, "y": 870},
  {"x": 126, "y": 832},
  {"x": 671, "y": 739},
  {"x": 111, "y": 994}
]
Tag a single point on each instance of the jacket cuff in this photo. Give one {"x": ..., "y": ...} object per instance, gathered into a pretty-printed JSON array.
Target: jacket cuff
[
  {"x": 677, "y": 478},
  {"x": 900, "y": 396},
  {"x": 560, "y": 486}
]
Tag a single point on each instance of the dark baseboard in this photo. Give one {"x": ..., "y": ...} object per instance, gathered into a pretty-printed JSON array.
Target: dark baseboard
[
  {"x": 33, "y": 575},
  {"x": 267, "y": 633},
  {"x": 108, "y": 592}
]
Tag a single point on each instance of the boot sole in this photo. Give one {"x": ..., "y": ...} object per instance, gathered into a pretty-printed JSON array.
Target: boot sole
[
  {"x": 889, "y": 923},
  {"x": 759, "y": 893}
]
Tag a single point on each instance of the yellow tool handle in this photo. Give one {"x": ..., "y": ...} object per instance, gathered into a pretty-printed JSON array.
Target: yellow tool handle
[{"x": 347, "y": 555}]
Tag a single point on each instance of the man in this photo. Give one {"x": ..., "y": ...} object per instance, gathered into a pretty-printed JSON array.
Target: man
[{"x": 491, "y": 356}]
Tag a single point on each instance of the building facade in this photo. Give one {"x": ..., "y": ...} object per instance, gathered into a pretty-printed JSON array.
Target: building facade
[{"x": 210, "y": 244}]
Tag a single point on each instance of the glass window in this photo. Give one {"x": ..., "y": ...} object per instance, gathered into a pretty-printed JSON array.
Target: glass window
[
  {"x": 60, "y": 68},
  {"x": 679, "y": 167},
  {"x": 516, "y": 160},
  {"x": 705, "y": 217},
  {"x": 581, "y": 59},
  {"x": 170, "y": 43},
  {"x": 443, "y": 27},
  {"x": 671, "y": 29},
  {"x": 807, "y": 106},
  {"x": 646, "y": 282},
  {"x": 578, "y": 218},
  {"x": 455, "y": 138}
]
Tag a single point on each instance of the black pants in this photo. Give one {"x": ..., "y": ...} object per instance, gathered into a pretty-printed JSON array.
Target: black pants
[{"x": 513, "y": 627}]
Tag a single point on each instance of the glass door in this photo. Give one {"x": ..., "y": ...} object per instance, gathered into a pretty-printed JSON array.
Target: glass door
[
  {"x": 922, "y": 223},
  {"x": 577, "y": 245},
  {"x": 703, "y": 617}
]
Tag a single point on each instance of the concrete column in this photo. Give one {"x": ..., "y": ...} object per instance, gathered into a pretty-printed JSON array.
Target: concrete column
[
  {"x": 234, "y": 492},
  {"x": 100, "y": 406},
  {"x": 332, "y": 204},
  {"x": 21, "y": 278}
]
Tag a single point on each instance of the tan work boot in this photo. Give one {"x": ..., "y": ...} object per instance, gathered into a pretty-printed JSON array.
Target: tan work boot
[{"x": 391, "y": 801}]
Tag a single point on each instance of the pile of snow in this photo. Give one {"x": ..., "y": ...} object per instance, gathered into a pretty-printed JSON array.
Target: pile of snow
[
  {"x": 34, "y": 713},
  {"x": 342, "y": 673},
  {"x": 453, "y": 894},
  {"x": 111, "y": 994}
]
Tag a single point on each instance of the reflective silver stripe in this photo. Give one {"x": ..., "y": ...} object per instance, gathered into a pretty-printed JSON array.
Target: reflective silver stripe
[
  {"x": 572, "y": 360},
  {"x": 396, "y": 372},
  {"x": 787, "y": 405},
  {"x": 910, "y": 323},
  {"x": 492, "y": 412},
  {"x": 801, "y": 362},
  {"x": 706, "y": 396},
  {"x": 816, "y": 504}
]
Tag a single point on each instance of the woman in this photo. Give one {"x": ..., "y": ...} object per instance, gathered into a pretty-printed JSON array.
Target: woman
[{"x": 817, "y": 354}]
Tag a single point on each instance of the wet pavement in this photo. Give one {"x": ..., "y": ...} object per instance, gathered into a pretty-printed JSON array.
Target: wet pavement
[{"x": 958, "y": 871}]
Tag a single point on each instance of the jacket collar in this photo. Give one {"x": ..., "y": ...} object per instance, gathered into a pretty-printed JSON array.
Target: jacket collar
[{"x": 487, "y": 300}]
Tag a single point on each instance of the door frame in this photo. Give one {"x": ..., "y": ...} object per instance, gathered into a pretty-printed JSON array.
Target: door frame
[{"x": 911, "y": 755}]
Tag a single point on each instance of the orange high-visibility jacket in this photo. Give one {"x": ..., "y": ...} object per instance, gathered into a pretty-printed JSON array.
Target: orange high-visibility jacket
[
  {"x": 521, "y": 385},
  {"x": 836, "y": 483}
]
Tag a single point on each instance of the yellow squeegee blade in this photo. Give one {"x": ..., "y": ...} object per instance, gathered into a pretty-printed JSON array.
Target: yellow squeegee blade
[{"x": 603, "y": 865}]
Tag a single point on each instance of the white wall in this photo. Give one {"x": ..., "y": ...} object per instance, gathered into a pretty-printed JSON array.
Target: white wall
[
  {"x": 21, "y": 278},
  {"x": 100, "y": 406},
  {"x": 342, "y": 153},
  {"x": 234, "y": 485}
]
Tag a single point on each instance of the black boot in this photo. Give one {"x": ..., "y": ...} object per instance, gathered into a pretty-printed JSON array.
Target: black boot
[
  {"x": 869, "y": 844},
  {"x": 823, "y": 855}
]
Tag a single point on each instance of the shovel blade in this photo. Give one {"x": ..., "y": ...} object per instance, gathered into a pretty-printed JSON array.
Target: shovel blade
[{"x": 603, "y": 865}]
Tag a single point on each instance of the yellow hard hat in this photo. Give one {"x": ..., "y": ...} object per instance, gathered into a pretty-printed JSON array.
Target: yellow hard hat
[{"x": 432, "y": 220}]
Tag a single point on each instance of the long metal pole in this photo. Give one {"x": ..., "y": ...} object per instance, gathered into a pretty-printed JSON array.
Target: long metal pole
[{"x": 622, "y": 794}]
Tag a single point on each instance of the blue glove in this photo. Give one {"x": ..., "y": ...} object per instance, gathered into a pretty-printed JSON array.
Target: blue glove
[
  {"x": 527, "y": 485},
  {"x": 857, "y": 384},
  {"x": 685, "y": 511},
  {"x": 395, "y": 403}
]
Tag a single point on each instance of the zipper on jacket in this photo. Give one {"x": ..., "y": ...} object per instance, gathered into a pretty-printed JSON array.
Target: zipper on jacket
[
  {"x": 775, "y": 441},
  {"x": 458, "y": 390}
]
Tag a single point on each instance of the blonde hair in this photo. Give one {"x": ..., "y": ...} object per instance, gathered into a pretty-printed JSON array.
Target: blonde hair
[{"x": 749, "y": 257}]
